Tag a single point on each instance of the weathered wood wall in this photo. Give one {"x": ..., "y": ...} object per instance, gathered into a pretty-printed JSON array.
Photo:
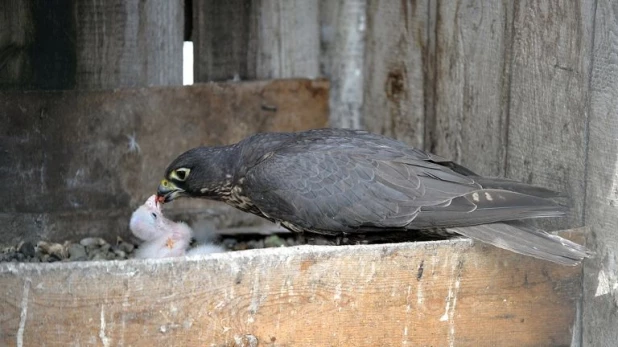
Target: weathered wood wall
[
  {"x": 255, "y": 39},
  {"x": 72, "y": 44},
  {"x": 443, "y": 293},
  {"x": 523, "y": 89},
  {"x": 396, "y": 51},
  {"x": 601, "y": 193},
  {"x": 78, "y": 163}
]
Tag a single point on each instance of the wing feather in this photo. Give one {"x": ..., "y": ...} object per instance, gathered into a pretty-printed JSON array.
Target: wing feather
[{"x": 330, "y": 184}]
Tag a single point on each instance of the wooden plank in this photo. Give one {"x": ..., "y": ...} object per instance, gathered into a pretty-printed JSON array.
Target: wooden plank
[
  {"x": 445, "y": 293},
  {"x": 128, "y": 43},
  {"x": 473, "y": 42},
  {"x": 80, "y": 162},
  {"x": 395, "y": 57},
  {"x": 343, "y": 28},
  {"x": 549, "y": 89},
  {"x": 601, "y": 273},
  {"x": 255, "y": 39}
]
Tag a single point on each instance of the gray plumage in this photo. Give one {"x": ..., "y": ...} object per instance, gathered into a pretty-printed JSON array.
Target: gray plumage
[{"x": 334, "y": 181}]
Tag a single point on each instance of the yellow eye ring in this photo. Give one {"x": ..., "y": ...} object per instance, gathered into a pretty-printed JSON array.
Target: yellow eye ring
[{"x": 180, "y": 174}]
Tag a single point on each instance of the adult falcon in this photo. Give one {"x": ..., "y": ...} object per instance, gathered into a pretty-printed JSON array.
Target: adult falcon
[{"x": 342, "y": 181}]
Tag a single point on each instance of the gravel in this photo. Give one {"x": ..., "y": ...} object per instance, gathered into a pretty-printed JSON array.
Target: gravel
[{"x": 94, "y": 248}]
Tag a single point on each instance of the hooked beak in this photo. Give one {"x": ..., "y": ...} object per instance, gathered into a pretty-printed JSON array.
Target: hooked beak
[{"x": 168, "y": 191}]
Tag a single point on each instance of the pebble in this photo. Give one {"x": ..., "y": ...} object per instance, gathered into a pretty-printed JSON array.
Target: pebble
[
  {"x": 274, "y": 241},
  {"x": 120, "y": 254},
  {"x": 55, "y": 249},
  {"x": 229, "y": 243},
  {"x": 98, "y": 256},
  {"x": 92, "y": 242},
  {"x": 27, "y": 249},
  {"x": 126, "y": 247},
  {"x": 77, "y": 252}
]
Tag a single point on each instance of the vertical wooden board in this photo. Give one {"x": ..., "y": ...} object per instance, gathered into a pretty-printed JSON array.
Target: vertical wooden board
[
  {"x": 473, "y": 42},
  {"x": 601, "y": 273},
  {"x": 329, "y": 16},
  {"x": 548, "y": 100},
  {"x": 220, "y": 39},
  {"x": 419, "y": 294},
  {"x": 343, "y": 39},
  {"x": 255, "y": 39},
  {"x": 286, "y": 39},
  {"x": 37, "y": 45},
  {"x": 129, "y": 43},
  {"x": 393, "y": 100},
  {"x": 15, "y": 17}
]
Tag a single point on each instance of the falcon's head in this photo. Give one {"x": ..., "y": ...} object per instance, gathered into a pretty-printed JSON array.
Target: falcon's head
[{"x": 201, "y": 172}]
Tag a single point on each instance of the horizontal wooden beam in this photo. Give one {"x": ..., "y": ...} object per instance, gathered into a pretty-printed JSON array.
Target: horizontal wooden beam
[
  {"x": 80, "y": 162},
  {"x": 440, "y": 293}
]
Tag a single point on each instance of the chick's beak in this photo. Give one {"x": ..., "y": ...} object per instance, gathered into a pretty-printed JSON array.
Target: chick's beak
[{"x": 168, "y": 191}]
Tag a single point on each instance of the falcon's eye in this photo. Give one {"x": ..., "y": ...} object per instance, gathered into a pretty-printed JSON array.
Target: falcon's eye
[{"x": 180, "y": 174}]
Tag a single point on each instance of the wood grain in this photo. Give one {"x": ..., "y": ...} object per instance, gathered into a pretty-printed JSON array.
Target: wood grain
[
  {"x": 343, "y": 28},
  {"x": 549, "y": 88},
  {"x": 286, "y": 40},
  {"x": 80, "y": 162},
  {"x": 445, "y": 293},
  {"x": 90, "y": 45},
  {"x": 255, "y": 39},
  {"x": 128, "y": 43},
  {"x": 601, "y": 273},
  {"x": 221, "y": 31},
  {"x": 394, "y": 67},
  {"x": 473, "y": 55},
  {"x": 37, "y": 45}
]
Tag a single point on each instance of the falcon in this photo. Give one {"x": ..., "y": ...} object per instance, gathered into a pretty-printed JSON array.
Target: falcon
[{"x": 343, "y": 181}]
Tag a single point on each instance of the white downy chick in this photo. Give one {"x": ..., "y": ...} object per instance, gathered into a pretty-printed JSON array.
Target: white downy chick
[
  {"x": 205, "y": 249},
  {"x": 147, "y": 222},
  {"x": 162, "y": 237},
  {"x": 172, "y": 244},
  {"x": 204, "y": 234}
]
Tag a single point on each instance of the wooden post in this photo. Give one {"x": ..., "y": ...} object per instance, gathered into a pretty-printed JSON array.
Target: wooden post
[
  {"x": 129, "y": 43},
  {"x": 72, "y": 44},
  {"x": 343, "y": 27},
  {"x": 601, "y": 206},
  {"x": 37, "y": 45},
  {"x": 255, "y": 39},
  {"x": 471, "y": 84},
  {"x": 396, "y": 50},
  {"x": 547, "y": 104}
]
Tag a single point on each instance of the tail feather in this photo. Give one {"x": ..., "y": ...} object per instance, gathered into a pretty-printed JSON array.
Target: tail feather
[
  {"x": 486, "y": 206},
  {"x": 518, "y": 187},
  {"x": 527, "y": 240}
]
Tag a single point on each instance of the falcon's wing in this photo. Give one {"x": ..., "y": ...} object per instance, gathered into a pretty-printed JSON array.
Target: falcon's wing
[{"x": 345, "y": 187}]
